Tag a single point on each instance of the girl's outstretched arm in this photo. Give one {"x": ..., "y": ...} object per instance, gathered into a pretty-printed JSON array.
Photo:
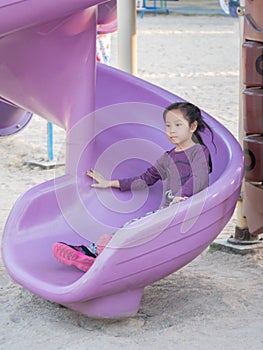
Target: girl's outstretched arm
[{"x": 101, "y": 182}]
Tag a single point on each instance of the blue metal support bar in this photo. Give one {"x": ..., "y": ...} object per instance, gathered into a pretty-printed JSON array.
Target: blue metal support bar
[
  {"x": 50, "y": 141},
  {"x": 154, "y": 8}
]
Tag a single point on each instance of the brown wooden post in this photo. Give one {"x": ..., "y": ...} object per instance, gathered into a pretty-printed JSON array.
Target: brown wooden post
[{"x": 252, "y": 107}]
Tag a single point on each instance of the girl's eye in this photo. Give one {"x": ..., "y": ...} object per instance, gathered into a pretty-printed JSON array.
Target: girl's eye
[{"x": 178, "y": 124}]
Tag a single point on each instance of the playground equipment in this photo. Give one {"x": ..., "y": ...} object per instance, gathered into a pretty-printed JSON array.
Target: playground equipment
[
  {"x": 252, "y": 107},
  {"x": 12, "y": 118},
  {"x": 155, "y": 7},
  {"x": 230, "y": 7},
  {"x": 249, "y": 214},
  {"x": 110, "y": 112}
]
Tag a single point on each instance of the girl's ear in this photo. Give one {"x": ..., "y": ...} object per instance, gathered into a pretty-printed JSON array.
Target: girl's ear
[{"x": 194, "y": 126}]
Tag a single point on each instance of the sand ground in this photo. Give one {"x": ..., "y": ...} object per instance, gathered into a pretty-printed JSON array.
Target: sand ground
[{"x": 213, "y": 303}]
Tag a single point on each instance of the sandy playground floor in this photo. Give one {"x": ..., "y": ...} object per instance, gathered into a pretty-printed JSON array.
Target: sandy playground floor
[{"x": 213, "y": 303}]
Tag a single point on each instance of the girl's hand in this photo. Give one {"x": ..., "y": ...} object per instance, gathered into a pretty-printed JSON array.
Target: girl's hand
[
  {"x": 100, "y": 179},
  {"x": 177, "y": 200}
]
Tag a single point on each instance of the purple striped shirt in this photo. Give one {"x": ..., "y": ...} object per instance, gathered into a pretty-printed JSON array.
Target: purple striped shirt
[{"x": 184, "y": 172}]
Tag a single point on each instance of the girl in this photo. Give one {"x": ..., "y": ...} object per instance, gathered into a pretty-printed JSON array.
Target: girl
[{"x": 185, "y": 168}]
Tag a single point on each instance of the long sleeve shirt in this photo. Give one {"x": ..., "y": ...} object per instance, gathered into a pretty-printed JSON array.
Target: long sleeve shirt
[{"x": 184, "y": 172}]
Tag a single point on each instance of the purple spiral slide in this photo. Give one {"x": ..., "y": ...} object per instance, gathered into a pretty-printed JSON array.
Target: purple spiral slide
[{"x": 113, "y": 123}]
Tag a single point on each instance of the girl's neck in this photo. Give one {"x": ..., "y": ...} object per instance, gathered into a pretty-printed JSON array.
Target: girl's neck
[{"x": 185, "y": 146}]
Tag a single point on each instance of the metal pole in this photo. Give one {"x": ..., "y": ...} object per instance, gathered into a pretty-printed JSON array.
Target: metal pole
[
  {"x": 241, "y": 226},
  {"x": 50, "y": 141},
  {"x": 127, "y": 41},
  {"x": 241, "y": 28}
]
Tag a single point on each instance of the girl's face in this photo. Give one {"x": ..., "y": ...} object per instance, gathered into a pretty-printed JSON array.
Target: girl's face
[{"x": 178, "y": 130}]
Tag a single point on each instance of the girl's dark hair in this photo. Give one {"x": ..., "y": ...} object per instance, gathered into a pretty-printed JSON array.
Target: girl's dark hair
[{"x": 192, "y": 113}]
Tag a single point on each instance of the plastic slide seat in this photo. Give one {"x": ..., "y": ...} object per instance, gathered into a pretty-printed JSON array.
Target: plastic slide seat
[{"x": 127, "y": 124}]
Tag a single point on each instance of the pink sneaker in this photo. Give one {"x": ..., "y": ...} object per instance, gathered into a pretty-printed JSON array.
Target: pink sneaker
[{"x": 73, "y": 255}]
